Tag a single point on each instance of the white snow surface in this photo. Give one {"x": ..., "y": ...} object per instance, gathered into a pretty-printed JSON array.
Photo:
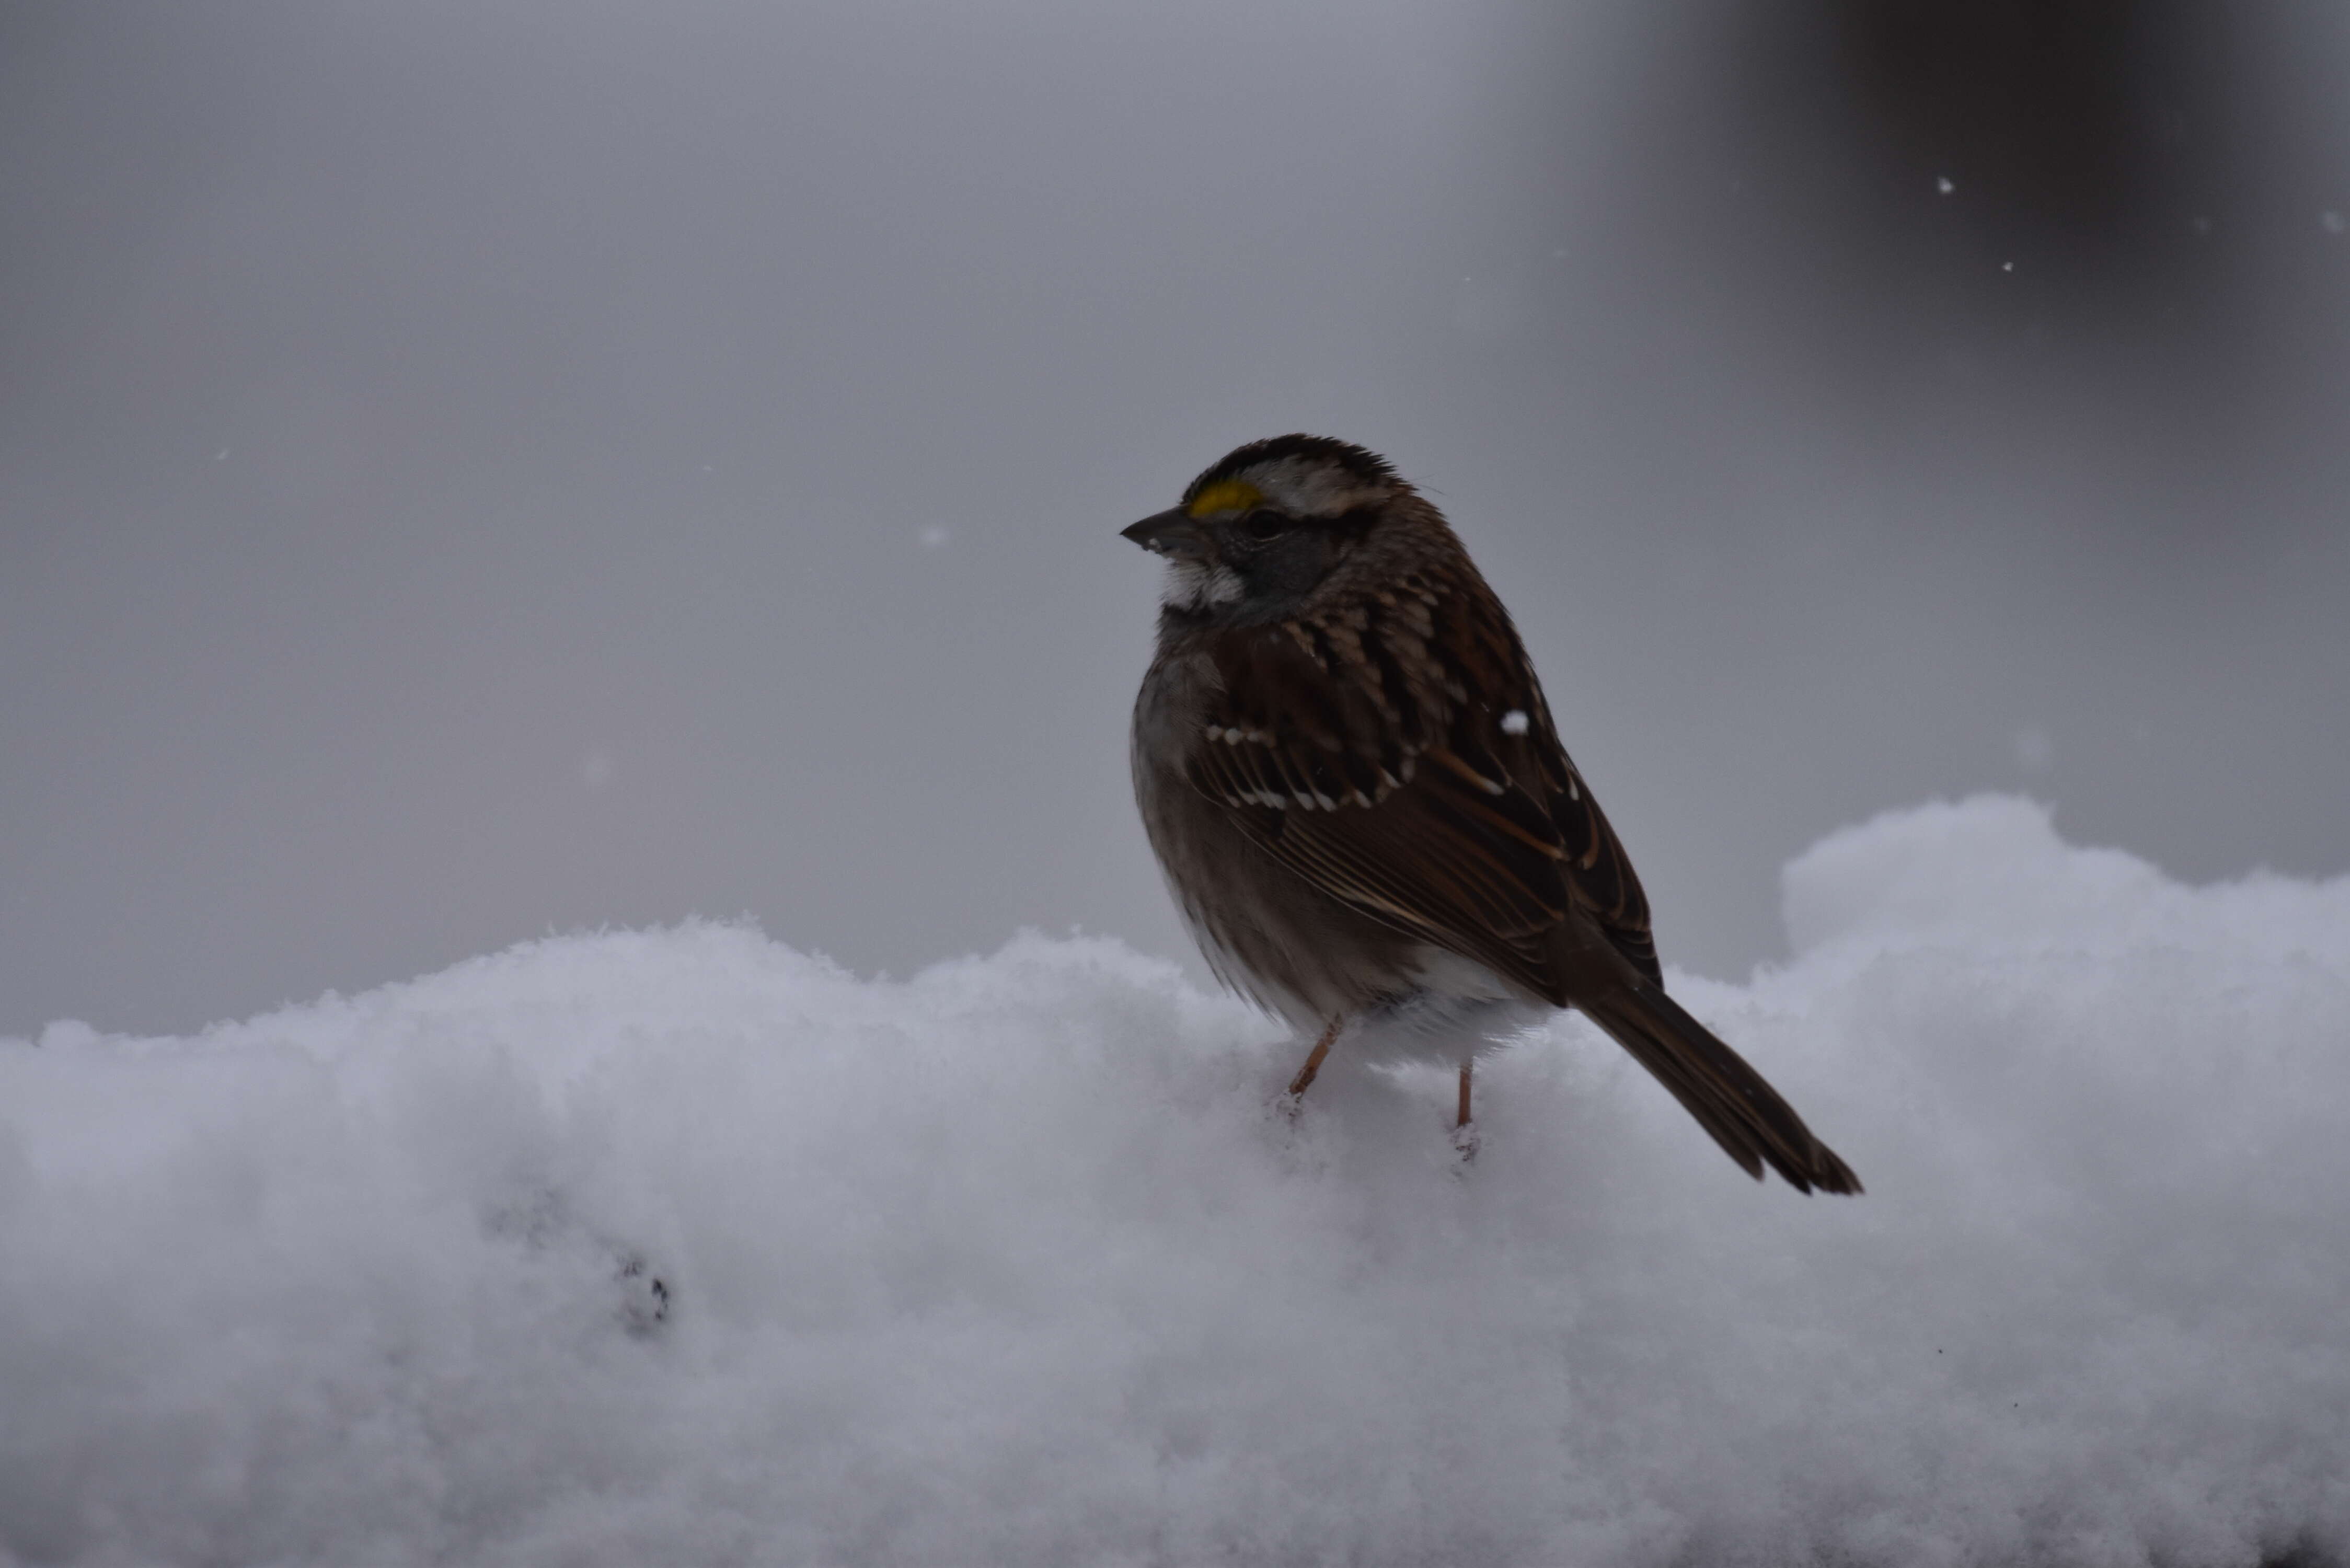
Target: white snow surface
[{"x": 1015, "y": 1262}]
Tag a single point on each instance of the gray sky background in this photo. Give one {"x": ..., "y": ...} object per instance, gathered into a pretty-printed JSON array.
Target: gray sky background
[{"x": 469, "y": 470}]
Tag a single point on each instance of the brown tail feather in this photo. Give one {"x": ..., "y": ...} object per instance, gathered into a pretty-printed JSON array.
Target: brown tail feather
[{"x": 1729, "y": 1099}]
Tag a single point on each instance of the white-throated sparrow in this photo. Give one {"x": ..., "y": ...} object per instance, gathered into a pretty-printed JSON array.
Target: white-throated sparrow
[{"x": 1350, "y": 777}]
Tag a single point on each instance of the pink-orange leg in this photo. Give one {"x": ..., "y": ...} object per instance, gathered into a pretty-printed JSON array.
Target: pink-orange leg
[
  {"x": 1464, "y": 1131},
  {"x": 1298, "y": 1085}
]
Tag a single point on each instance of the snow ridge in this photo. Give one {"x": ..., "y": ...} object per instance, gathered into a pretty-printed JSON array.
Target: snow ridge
[{"x": 1012, "y": 1263}]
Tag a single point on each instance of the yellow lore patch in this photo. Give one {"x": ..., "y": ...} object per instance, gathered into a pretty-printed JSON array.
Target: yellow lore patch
[{"x": 1226, "y": 495}]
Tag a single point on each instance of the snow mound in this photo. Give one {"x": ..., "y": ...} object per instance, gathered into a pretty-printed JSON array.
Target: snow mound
[{"x": 680, "y": 1247}]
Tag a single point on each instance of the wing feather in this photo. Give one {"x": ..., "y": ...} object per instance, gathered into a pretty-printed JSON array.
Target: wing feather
[{"x": 1358, "y": 760}]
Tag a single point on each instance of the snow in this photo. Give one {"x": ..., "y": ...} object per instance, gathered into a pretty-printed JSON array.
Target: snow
[{"x": 1014, "y": 1262}]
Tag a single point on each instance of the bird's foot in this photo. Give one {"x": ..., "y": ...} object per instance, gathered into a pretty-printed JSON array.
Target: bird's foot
[{"x": 1465, "y": 1142}]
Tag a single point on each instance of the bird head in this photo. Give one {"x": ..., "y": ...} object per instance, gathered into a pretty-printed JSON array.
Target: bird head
[{"x": 1262, "y": 528}]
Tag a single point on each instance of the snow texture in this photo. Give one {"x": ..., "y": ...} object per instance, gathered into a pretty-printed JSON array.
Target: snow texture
[{"x": 1014, "y": 1262}]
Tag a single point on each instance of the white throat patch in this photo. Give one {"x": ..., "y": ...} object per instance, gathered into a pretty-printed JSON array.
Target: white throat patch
[{"x": 1197, "y": 586}]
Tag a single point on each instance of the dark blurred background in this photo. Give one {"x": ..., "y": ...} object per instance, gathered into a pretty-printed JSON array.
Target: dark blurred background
[{"x": 474, "y": 468}]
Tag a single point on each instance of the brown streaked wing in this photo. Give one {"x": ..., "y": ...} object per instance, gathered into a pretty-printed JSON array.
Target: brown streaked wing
[
  {"x": 1490, "y": 657},
  {"x": 1386, "y": 800},
  {"x": 1597, "y": 869}
]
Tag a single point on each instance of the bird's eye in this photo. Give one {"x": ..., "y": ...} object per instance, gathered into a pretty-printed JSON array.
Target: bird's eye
[{"x": 1262, "y": 524}]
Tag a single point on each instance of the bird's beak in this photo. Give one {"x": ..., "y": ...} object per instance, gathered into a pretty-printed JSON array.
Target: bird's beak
[{"x": 1173, "y": 533}]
